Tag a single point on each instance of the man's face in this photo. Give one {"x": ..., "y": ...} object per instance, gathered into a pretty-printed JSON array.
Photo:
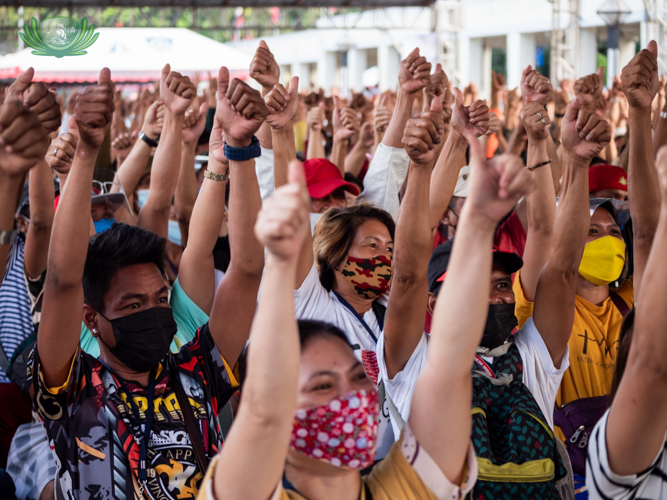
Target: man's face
[
  {"x": 99, "y": 211},
  {"x": 615, "y": 194},
  {"x": 335, "y": 199}
]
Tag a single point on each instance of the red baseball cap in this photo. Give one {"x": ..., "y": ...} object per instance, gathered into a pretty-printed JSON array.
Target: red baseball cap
[
  {"x": 323, "y": 178},
  {"x": 601, "y": 177}
]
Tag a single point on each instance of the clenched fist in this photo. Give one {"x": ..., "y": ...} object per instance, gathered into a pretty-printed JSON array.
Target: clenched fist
[
  {"x": 94, "y": 110},
  {"x": 23, "y": 140},
  {"x": 36, "y": 97},
  {"x": 639, "y": 79},
  {"x": 176, "y": 91}
]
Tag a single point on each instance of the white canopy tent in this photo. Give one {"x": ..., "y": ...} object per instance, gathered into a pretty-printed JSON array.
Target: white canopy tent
[{"x": 132, "y": 55}]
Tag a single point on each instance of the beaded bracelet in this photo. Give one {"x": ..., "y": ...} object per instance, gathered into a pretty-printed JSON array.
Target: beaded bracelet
[{"x": 539, "y": 165}]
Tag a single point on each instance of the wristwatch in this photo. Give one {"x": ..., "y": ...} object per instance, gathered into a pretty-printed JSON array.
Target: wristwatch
[
  {"x": 243, "y": 154},
  {"x": 7, "y": 237},
  {"x": 152, "y": 143}
]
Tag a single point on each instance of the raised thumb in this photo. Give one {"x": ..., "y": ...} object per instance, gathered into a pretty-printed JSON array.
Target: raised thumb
[
  {"x": 458, "y": 97},
  {"x": 296, "y": 173}
]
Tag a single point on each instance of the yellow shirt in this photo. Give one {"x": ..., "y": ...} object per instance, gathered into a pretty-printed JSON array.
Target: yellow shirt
[
  {"x": 593, "y": 343},
  {"x": 300, "y": 136},
  {"x": 394, "y": 478}
]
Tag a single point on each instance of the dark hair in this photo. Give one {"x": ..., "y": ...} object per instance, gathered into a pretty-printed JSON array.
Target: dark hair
[
  {"x": 335, "y": 232},
  {"x": 310, "y": 329},
  {"x": 627, "y": 330},
  {"x": 119, "y": 246}
]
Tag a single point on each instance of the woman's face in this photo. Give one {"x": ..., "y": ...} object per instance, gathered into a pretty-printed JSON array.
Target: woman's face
[
  {"x": 603, "y": 224},
  {"x": 372, "y": 239},
  {"x": 328, "y": 370}
]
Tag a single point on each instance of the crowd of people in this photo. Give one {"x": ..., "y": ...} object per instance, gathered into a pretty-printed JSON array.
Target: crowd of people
[{"x": 224, "y": 293}]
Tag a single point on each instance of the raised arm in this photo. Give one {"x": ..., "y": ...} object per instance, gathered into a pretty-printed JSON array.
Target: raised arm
[
  {"x": 315, "y": 125},
  {"x": 24, "y": 142},
  {"x": 176, "y": 91},
  {"x": 265, "y": 70},
  {"x": 444, "y": 386},
  {"x": 40, "y": 189},
  {"x": 60, "y": 155},
  {"x": 346, "y": 123},
  {"x": 541, "y": 203},
  {"x": 640, "y": 82},
  {"x": 470, "y": 120},
  {"x": 133, "y": 167},
  {"x": 637, "y": 419},
  {"x": 283, "y": 105},
  {"x": 381, "y": 118},
  {"x": 36, "y": 97},
  {"x": 186, "y": 186},
  {"x": 62, "y": 308},
  {"x": 241, "y": 113},
  {"x": 554, "y": 298},
  {"x": 260, "y": 436},
  {"x": 354, "y": 162},
  {"x": 413, "y": 243}
]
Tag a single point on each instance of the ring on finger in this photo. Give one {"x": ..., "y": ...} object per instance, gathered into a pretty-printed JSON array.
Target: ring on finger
[
  {"x": 543, "y": 121},
  {"x": 55, "y": 152},
  {"x": 539, "y": 114}
]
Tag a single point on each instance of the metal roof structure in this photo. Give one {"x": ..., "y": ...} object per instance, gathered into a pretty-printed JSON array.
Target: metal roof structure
[{"x": 189, "y": 4}]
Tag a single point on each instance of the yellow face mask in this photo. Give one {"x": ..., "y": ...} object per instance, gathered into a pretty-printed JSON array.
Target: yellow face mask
[{"x": 603, "y": 260}]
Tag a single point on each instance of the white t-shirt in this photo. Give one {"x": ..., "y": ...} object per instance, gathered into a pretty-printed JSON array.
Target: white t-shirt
[
  {"x": 602, "y": 483},
  {"x": 539, "y": 373},
  {"x": 313, "y": 301}
]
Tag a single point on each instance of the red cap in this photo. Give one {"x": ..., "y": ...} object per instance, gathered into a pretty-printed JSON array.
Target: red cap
[
  {"x": 601, "y": 177},
  {"x": 323, "y": 178}
]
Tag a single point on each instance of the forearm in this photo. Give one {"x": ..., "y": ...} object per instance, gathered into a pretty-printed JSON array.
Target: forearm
[
  {"x": 196, "y": 271},
  {"x": 517, "y": 140},
  {"x": 154, "y": 215},
  {"x": 284, "y": 152},
  {"x": 556, "y": 167},
  {"x": 643, "y": 189},
  {"x": 572, "y": 218},
  {"x": 495, "y": 100},
  {"x": 10, "y": 191},
  {"x": 269, "y": 397},
  {"x": 541, "y": 211},
  {"x": 132, "y": 169},
  {"x": 393, "y": 136},
  {"x": 355, "y": 160},
  {"x": 338, "y": 152},
  {"x": 445, "y": 174},
  {"x": 660, "y": 134},
  {"x": 315, "y": 148},
  {"x": 41, "y": 219},
  {"x": 265, "y": 136},
  {"x": 186, "y": 189}
]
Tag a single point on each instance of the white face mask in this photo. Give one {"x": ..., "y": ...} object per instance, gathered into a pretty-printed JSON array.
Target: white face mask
[
  {"x": 142, "y": 197},
  {"x": 313, "y": 220}
]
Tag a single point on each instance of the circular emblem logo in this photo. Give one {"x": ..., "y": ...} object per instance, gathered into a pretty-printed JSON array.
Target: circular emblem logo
[{"x": 58, "y": 33}]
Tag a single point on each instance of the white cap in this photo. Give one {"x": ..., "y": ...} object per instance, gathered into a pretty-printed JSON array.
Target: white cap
[{"x": 463, "y": 183}]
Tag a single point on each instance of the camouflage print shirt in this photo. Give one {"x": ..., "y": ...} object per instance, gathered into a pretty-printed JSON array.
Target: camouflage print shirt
[{"x": 96, "y": 436}]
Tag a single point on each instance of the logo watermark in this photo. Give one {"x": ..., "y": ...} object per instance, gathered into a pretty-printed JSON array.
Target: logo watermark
[{"x": 59, "y": 36}]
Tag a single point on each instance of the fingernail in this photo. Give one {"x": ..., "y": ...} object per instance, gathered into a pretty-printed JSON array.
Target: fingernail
[
  {"x": 589, "y": 137},
  {"x": 582, "y": 135},
  {"x": 8, "y": 149},
  {"x": 579, "y": 127}
]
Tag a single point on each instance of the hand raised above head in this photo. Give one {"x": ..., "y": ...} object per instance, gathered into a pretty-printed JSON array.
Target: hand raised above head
[
  {"x": 316, "y": 117},
  {"x": 123, "y": 144},
  {"x": 23, "y": 140},
  {"x": 60, "y": 154},
  {"x": 240, "y": 110},
  {"x": 263, "y": 68},
  {"x": 470, "y": 121},
  {"x": 94, "y": 110},
  {"x": 346, "y": 121},
  {"x": 414, "y": 73},
  {"x": 176, "y": 91},
  {"x": 438, "y": 82},
  {"x": 423, "y": 133},
  {"x": 536, "y": 121},
  {"x": 283, "y": 104},
  {"x": 283, "y": 222},
  {"x": 194, "y": 124},
  {"x": 36, "y": 97},
  {"x": 590, "y": 88},
  {"x": 639, "y": 79},
  {"x": 535, "y": 87},
  {"x": 583, "y": 133}
]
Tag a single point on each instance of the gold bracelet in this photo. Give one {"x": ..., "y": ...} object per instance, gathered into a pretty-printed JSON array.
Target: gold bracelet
[{"x": 216, "y": 177}]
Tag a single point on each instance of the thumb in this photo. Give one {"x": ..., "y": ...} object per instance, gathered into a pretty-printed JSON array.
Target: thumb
[
  {"x": 384, "y": 100},
  {"x": 458, "y": 97},
  {"x": 601, "y": 74},
  {"x": 296, "y": 173},
  {"x": 263, "y": 44},
  {"x": 105, "y": 76},
  {"x": 436, "y": 105},
  {"x": 321, "y": 106},
  {"x": 24, "y": 80},
  {"x": 223, "y": 81},
  {"x": 526, "y": 72},
  {"x": 336, "y": 103},
  {"x": 438, "y": 67},
  {"x": 294, "y": 87},
  {"x": 573, "y": 109},
  {"x": 165, "y": 71},
  {"x": 202, "y": 112},
  {"x": 652, "y": 47}
]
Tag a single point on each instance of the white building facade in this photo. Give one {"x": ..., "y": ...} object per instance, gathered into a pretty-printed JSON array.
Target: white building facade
[{"x": 468, "y": 37}]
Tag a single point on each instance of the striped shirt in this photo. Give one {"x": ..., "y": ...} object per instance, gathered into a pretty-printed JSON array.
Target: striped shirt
[
  {"x": 16, "y": 322},
  {"x": 602, "y": 483}
]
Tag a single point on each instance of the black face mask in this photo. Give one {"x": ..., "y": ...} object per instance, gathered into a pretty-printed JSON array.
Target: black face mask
[
  {"x": 499, "y": 325},
  {"x": 143, "y": 338}
]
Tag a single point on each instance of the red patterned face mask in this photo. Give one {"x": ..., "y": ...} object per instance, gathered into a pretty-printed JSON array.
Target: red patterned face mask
[
  {"x": 342, "y": 432},
  {"x": 370, "y": 278}
]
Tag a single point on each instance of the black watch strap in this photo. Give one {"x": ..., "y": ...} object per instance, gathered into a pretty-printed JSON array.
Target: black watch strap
[{"x": 152, "y": 143}]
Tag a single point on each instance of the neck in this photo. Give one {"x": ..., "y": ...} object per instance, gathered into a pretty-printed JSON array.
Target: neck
[
  {"x": 123, "y": 371},
  {"x": 343, "y": 288},
  {"x": 595, "y": 294},
  {"x": 323, "y": 481}
]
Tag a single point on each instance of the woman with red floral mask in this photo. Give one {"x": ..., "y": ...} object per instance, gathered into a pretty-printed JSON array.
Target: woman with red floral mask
[{"x": 307, "y": 422}]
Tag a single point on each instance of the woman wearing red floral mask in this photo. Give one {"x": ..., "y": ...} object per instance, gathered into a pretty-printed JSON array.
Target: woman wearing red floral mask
[{"x": 307, "y": 422}]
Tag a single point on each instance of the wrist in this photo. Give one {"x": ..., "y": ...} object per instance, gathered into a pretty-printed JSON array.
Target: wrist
[
  {"x": 458, "y": 137},
  {"x": 151, "y": 135},
  {"x": 238, "y": 143},
  {"x": 572, "y": 159},
  {"x": 481, "y": 223},
  {"x": 287, "y": 126},
  {"x": 640, "y": 112},
  {"x": 85, "y": 150}
]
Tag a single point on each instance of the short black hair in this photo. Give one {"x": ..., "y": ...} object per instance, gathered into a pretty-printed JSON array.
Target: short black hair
[
  {"x": 310, "y": 329},
  {"x": 118, "y": 247}
]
